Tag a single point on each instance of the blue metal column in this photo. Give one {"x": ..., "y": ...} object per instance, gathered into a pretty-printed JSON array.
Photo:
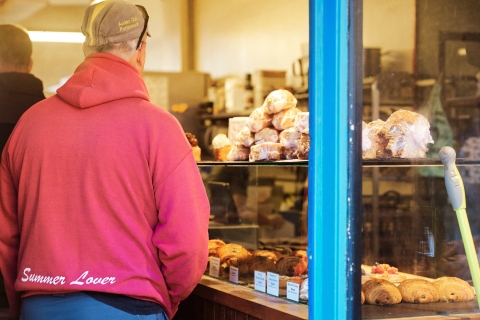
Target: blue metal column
[{"x": 334, "y": 160}]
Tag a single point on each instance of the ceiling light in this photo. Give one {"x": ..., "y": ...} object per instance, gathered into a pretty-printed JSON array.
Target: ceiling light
[{"x": 49, "y": 36}]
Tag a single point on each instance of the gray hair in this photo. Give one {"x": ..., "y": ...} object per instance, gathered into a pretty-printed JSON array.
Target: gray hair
[{"x": 124, "y": 50}]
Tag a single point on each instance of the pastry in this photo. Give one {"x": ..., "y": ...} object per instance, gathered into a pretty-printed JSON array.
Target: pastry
[
  {"x": 266, "y": 151},
  {"x": 371, "y": 142},
  {"x": 259, "y": 119},
  {"x": 279, "y": 100},
  {"x": 221, "y": 147},
  {"x": 301, "y": 121},
  {"x": 285, "y": 119},
  {"x": 381, "y": 292},
  {"x": 386, "y": 272},
  {"x": 232, "y": 254},
  {"x": 272, "y": 255},
  {"x": 452, "y": 289},
  {"x": 291, "y": 266},
  {"x": 266, "y": 135},
  {"x": 261, "y": 263},
  {"x": 303, "y": 145},
  {"x": 238, "y": 153},
  {"x": 213, "y": 246},
  {"x": 304, "y": 290},
  {"x": 362, "y": 297},
  {"x": 245, "y": 137},
  {"x": 405, "y": 134},
  {"x": 418, "y": 291},
  {"x": 197, "y": 152},
  {"x": 289, "y": 138}
]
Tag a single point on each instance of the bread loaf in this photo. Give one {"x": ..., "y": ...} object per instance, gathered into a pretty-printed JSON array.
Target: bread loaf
[
  {"x": 381, "y": 292},
  {"x": 452, "y": 289},
  {"x": 266, "y": 151},
  {"x": 279, "y": 100},
  {"x": 285, "y": 119},
  {"x": 418, "y": 291},
  {"x": 259, "y": 119}
]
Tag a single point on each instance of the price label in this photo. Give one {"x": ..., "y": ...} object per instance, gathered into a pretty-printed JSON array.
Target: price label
[
  {"x": 214, "y": 270},
  {"x": 273, "y": 284},
  {"x": 293, "y": 291},
  {"x": 233, "y": 275},
  {"x": 260, "y": 281}
]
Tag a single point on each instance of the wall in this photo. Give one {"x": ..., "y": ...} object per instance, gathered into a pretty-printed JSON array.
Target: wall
[
  {"x": 241, "y": 36},
  {"x": 390, "y": 25}
]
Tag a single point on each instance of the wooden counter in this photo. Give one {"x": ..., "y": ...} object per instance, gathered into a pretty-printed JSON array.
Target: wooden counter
[{"x": 215, "y": 299}]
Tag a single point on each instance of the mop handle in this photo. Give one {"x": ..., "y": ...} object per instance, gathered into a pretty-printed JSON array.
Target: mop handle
[{"x": 456, "y": 193}]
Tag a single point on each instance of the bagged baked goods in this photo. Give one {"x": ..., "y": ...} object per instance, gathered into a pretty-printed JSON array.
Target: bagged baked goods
[
  {"x": 232, "y": 254},
  {"x": 197, "y": 152},
  {"x": 238, "y": 153},
  {"x": 245, "y": 137},
  {"x": 279, "y": 100},
  {"x": 452, "y": 289},
  {"x": 266, "y": 135},
  {"x": 370, "y": 140},
  {"x": 221, "y": 147},
  {"x": 405, "y": 134},
  {"x": 259, "y": 118},
  {"x": 302, "y": 121},
  {"x": 285, "y": 119},
  {"x": 266, "y": 151},
  {"x": 303, "y": 145},
  {"x": 381, "y": 292},
  {"x": 304, "y": 290},
  {"x": 418, "y": 291},
  {"x": 289, "y": 138}
]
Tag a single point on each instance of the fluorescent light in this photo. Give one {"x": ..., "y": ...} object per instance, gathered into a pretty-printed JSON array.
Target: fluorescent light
[{"x": 49, "y": 36}]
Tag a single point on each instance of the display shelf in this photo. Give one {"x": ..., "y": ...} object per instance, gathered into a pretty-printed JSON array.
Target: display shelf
[
  {"x": 397, "y": 162},
  {"x": 279, "y": 163}
]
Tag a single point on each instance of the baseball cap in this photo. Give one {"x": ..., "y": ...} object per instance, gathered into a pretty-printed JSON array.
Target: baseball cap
[{"x": 113, "y": 21}]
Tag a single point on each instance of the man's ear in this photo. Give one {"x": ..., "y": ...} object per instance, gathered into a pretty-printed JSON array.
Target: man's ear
[{"x": 30, "y": 65}]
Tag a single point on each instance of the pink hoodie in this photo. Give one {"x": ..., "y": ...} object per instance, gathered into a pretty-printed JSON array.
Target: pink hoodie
[{"x": 100, "y": 192}]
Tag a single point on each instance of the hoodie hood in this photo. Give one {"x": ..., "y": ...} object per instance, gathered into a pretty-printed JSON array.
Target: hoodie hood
[{"x": 102, "y": 78}]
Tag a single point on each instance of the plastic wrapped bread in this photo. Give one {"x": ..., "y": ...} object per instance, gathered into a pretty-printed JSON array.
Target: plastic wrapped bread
[
  {"x": 238, "y": 153},
  {"x": 302, "y": 121},
  {"x": 285, "y": 119},
  {"x": 259, "y": 119},
  {"x": 266, "y": 151},
  {"x": 266, "y": 135},
  {"x": 370, "y": 140},
  {"x": 279, "y": 100},
  {"x": 289, "y": 137},
  {"x": 406, "y": 135},
  {"x": 304, "y": 290},
  {"x": 221, "y": 147},
  {"x": 245, "y": 137},
  {"x": 304, "y": 145}
]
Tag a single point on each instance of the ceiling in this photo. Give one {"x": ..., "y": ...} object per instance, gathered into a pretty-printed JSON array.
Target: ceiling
[{"x": 44, "y": 15}]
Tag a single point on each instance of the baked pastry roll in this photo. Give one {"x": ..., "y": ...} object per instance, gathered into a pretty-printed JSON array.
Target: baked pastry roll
[
  {"x": 266, "y": 151},
  {"x": 232, "y": 254},
  {"x": 371, "y": 142},
  {"x": 362, "y": 297},
  {"x": 291, "y": 266},
  {"x": 285, "y": 119},
  {"x": 259, "y": 119},
  {"x": 418, "y": 291},
  {"x": 213, "y": 246},
  {"x": 381, "y": 292},
  {"x": 452, "y": 289},
  {"x": 261, "y": 263},
  {"x": 279, "y": 100},
  {"x": 272, "y": 255},
  {"x": 238, "y": 153},
  {"x": 266, "y": 135}
]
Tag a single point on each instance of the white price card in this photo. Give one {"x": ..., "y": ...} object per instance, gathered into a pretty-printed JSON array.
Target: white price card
[
  {"x": 260, "y": 280},
  {"x": 293, "y": 291},
  {"x": 233, "y": 275},
  {"x": 273, "y": 283},
  {"x": 214, "y": 267}
]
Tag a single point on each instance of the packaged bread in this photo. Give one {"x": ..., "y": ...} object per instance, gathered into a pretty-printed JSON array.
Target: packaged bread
[
  {"x": 259, "y": 119},
  {"x": 453, "y": 289},
  {"x": 285, "y": 119},
  {"x": 279, "y": 100},
  {"x": 405, "y": 134},
  {"x": 381, "y": 292},
  {"x": 418, "y": 291},
  {"x": 301, "y": 121},
  {"x": 289, "y": 137},
  {"x": 238, "y": 153},
  {"x": 266, "y": 151},
  {"x": 304, "y": 290},
  {"x": 221, "y": 147},
  {"x": 266, "y": 135},
  {"x": 245, "y": 137},
  {"x": 303, "y": 145},
  {"x": 370, "y": 139},
  {"x": 197, "y": 152}
]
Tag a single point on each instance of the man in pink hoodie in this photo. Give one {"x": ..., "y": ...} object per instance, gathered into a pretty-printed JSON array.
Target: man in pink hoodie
[{"x": 103, "y": 212}]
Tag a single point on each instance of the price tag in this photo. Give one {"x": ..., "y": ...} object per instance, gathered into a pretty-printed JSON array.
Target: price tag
[
  {"x": 214, "y": 270},
  {"x": 273, "y": 283},
  {"x": 260, "y": 281},
  {"x": 233, "y": 276},
  {"x": 293, "y": 291}
]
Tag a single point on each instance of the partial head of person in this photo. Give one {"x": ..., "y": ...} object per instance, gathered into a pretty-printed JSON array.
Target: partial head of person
[
  {"x": 15, "y": 49},
  {"x": 117, "y": 27}
]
